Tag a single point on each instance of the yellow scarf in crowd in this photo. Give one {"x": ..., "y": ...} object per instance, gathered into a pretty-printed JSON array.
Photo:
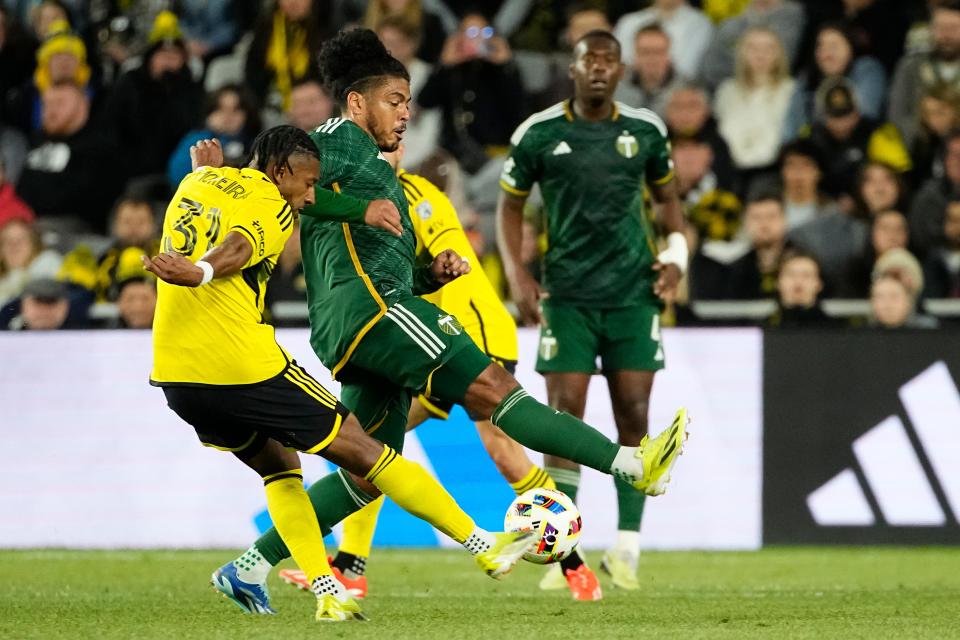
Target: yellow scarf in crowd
[{"x": 287, "y": 54}]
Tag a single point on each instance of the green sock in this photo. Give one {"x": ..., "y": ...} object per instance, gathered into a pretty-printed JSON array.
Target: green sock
[
  {"x": 542, "y": 429},
  {"x": 334, "y": 497},
  {"x": 568, "y": 480},
  {"x": 629, "y": 506}
]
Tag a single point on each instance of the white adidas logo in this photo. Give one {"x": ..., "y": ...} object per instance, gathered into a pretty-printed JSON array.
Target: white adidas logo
[
  {"x": 892, "y": 468},
  {"x": 562, "y": 148}
]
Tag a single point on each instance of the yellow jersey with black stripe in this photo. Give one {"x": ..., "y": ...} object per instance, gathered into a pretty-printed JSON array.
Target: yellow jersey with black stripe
[
  {"x": 214, "y": 334},
  {"x": 470, "y": 298}
]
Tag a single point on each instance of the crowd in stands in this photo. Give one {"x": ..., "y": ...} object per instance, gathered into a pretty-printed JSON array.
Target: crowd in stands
[{"x": 816, "y": 142}]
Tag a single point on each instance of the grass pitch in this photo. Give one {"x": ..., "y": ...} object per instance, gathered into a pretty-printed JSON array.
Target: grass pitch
[{"x": 776, "y": 593}]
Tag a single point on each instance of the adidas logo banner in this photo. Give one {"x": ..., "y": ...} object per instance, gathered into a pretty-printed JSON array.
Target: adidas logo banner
[{"x": 861, "y": 438}]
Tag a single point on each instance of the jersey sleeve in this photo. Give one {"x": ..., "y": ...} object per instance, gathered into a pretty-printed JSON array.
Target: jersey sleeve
[
  {"x": 339, "y": 207},
  {"x": 659, "y": 169},
  {"x": 266, "y": 222},
  {"x": 435, "y": 221},
  {"x": 522, "y": 167}
]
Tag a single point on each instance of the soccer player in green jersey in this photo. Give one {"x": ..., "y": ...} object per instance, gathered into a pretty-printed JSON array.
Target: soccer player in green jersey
[
  {"x": 377, "y": 337},
  {"x": 603, "y": 285}
]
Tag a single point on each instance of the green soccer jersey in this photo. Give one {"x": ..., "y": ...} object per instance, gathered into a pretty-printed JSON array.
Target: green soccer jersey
[
  {"x": 351, "y": 268},
  {"x": 591, "y": 174}
]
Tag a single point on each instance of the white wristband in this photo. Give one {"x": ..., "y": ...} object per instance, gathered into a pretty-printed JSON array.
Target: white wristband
[
  {"x": 207, "y": 269},
  {"x": 676, "y": 252}
]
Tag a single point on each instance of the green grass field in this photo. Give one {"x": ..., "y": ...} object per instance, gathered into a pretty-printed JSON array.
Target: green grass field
[{"x": 776, "y": 593}]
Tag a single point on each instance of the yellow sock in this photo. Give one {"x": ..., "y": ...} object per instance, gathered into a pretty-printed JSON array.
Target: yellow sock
[
  {"x": 534, "y": 479},
  {"x": 358, "y": 529},
  {"x": 416, "y": 492},
  {"x": 296, "y": 521}
]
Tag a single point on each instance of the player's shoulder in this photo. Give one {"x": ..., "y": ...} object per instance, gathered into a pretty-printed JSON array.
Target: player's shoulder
[
  {"x": 425, "y": 198},
  {"x": 539, "y": 121},
  {"x": 642, "y": 119},
  {"x": 335, "y": 129},
  {"x": 231, "y": 183}
]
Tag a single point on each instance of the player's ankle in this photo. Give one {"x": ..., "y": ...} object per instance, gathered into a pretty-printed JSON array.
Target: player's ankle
[
  {"x": 479, "y": 541},
  {"x": 350, "y": 565},
  {"x": 571, "y": 562},
  {"x": 627, "y": 466}
]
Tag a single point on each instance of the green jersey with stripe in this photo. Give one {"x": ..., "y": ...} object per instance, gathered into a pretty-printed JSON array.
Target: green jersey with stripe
[
  {"x": 591, "y": 174},
  {"x": 352, "y": 269}
]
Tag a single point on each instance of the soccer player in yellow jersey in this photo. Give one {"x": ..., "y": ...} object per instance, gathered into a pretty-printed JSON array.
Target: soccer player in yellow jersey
[
  {"x": 472, "y": 300},
  {"x": 223, "y": 372}
]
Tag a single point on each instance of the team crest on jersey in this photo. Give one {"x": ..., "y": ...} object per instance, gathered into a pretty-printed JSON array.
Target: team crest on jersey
[
  {"x": 548, "y": 346},
  {"x": 450, "y": 325},
  {"x": 627, "y": 145},
  {"x": 424, "y": 210}
]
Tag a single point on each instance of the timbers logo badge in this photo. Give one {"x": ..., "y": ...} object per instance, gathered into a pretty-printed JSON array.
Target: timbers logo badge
[
  {"x": 548, "y": 346},
  {"x": 627, "y": 145},
  {"x": 450, "y": 325}
]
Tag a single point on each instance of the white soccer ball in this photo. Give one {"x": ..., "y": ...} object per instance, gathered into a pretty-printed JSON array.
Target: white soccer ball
[{"x": 552, "y": 516}]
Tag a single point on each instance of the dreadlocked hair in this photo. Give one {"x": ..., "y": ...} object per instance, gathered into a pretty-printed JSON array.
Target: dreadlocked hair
[
  {"x": 275, "y": 146},
  {"x": 356, "y": 60}
]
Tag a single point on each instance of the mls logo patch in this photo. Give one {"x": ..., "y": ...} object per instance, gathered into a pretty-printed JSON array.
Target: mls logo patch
[
  {"x": 627, "y": 145},
  {"x": 548, "y": 347},
  {"x": 424, "y": 210},
  {"x": 450, "y": 325}
]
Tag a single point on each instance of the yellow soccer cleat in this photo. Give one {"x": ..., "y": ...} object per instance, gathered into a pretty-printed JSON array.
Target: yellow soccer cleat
[
  {"x": 660, "y": 454},
  {"x": 510, "y": 546},
  {"x": 622, "y": 569},
  {"x": 553, "y": 579},
  {"x": 333, "y": 609}
]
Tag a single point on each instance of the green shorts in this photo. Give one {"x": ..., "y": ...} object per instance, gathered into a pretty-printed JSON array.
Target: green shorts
[
  {"x": 573, "y": 337},
  {"x": 416, "y": 348}
]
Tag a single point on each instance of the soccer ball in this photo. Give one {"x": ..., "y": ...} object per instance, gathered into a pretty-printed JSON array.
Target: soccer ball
[{"x": 552, "y": 516}]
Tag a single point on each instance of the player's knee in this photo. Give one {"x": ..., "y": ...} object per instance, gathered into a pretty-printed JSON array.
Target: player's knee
[{"x": 488, "y": 391}]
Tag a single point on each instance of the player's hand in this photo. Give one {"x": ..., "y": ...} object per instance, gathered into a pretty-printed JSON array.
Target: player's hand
[
  {"x": 526, "y": 293},
  {"x": 174, "y": 268},
  {"x": 448, "y": 266},
  {"x": 206, "y": 153},
  {"x": 666, "y": 285},
  {"x": 383, "y": 214}
]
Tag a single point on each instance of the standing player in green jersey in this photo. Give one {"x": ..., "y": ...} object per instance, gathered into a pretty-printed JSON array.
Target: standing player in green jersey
[
  {"x": 372, "y": 331},
  {"x": 603, "y": 283}
]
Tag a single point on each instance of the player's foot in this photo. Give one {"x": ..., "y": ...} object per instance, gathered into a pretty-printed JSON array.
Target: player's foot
[
  {"x": 249, "y": 596},
  {"x": 331, "y": 608},
  {"x": 510, "y": 546},
  {"x": 583, "y": 584},
  {"x": 660, "y": 454},
  {"x": 622, "y": 568},
  {"x": 553, "y": 579},
  {"x": 297, "y": 578}
]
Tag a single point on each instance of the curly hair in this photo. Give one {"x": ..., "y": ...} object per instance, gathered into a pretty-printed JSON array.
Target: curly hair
[
  {"x": 275, "y": 147},
  {"x": 356, "y": 60}
]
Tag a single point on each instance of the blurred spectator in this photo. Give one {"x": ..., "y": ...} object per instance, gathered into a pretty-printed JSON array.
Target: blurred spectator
[
  {"x": 754, "y": 275},
  {"x": 689, "y": 33},
  {"x": 710, "y": 205},
  {"x": 687, "y": 115},
  {"x": 879, "y": 188},
  {"x": 784, "y": 17},
  {"x": 651, "y": 78},
  {"x": 894, "y": 306},
  {"x": 133, "y": 234},
  {"x": 310, "y": 105},
  {"x": 918, "y": 38},
  {"x": 918, "y": 72},
  {"x": 722, "y": 10},
  {"x": 939, "y": 115},
  {"x": 901, "y": 264},
  {"x": 836, "y": 57},
  {"x": 846, "y": 140},
  {"x": 65, "y": 169},
  {"x": 477, "y": 89},
  {"x": 136, "y": 303},
  {"x": 428, "y": 25},
  {"x": 61, "y": 58},
  {"x": 888, "y": 231},
  {"x": 801, "y": 173},
  {"x": 17, "y": 57},
  {"x": 750, "y": 107},
  {"x": 11, "y": 206},
  {"x": 876, "y": 27},
  {"x": 529, "y": 26},
  {"x": 287, "y": 282},
  {"x": 44, "y": 306},
  {"x": 154, "y": 105},
  {"x": 401, "y": 38},
  {"x": 23, "y": 258},
  {"x": 285, "y": 43},
  {"x": 942, "y": 266},
  {"x": 231, "y": 115},
  {"x": 209, "y": 26},
  {"x": 928, "y": 209},
  {"x": 798, "y": 292}
]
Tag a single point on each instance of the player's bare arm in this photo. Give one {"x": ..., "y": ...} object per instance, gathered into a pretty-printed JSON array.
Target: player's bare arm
[
  {"x": 671, "y": 263},
  {"x": 524, "y": 289},
  {"x": 226, "y": 259},
  {"x": 206, "y": 153}
]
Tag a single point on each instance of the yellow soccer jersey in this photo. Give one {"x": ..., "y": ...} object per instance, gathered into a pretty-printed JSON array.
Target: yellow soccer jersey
[
  {"x": 214, "y": 334},
  {"x": 471, "y": 298}
]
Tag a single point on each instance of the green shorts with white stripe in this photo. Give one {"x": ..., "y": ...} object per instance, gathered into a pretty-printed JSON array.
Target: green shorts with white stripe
[{"x": 416, "y": 348}]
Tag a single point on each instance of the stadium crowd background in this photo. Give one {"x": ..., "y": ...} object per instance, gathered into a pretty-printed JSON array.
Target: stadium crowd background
[{"x": 816, "y": 143}]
